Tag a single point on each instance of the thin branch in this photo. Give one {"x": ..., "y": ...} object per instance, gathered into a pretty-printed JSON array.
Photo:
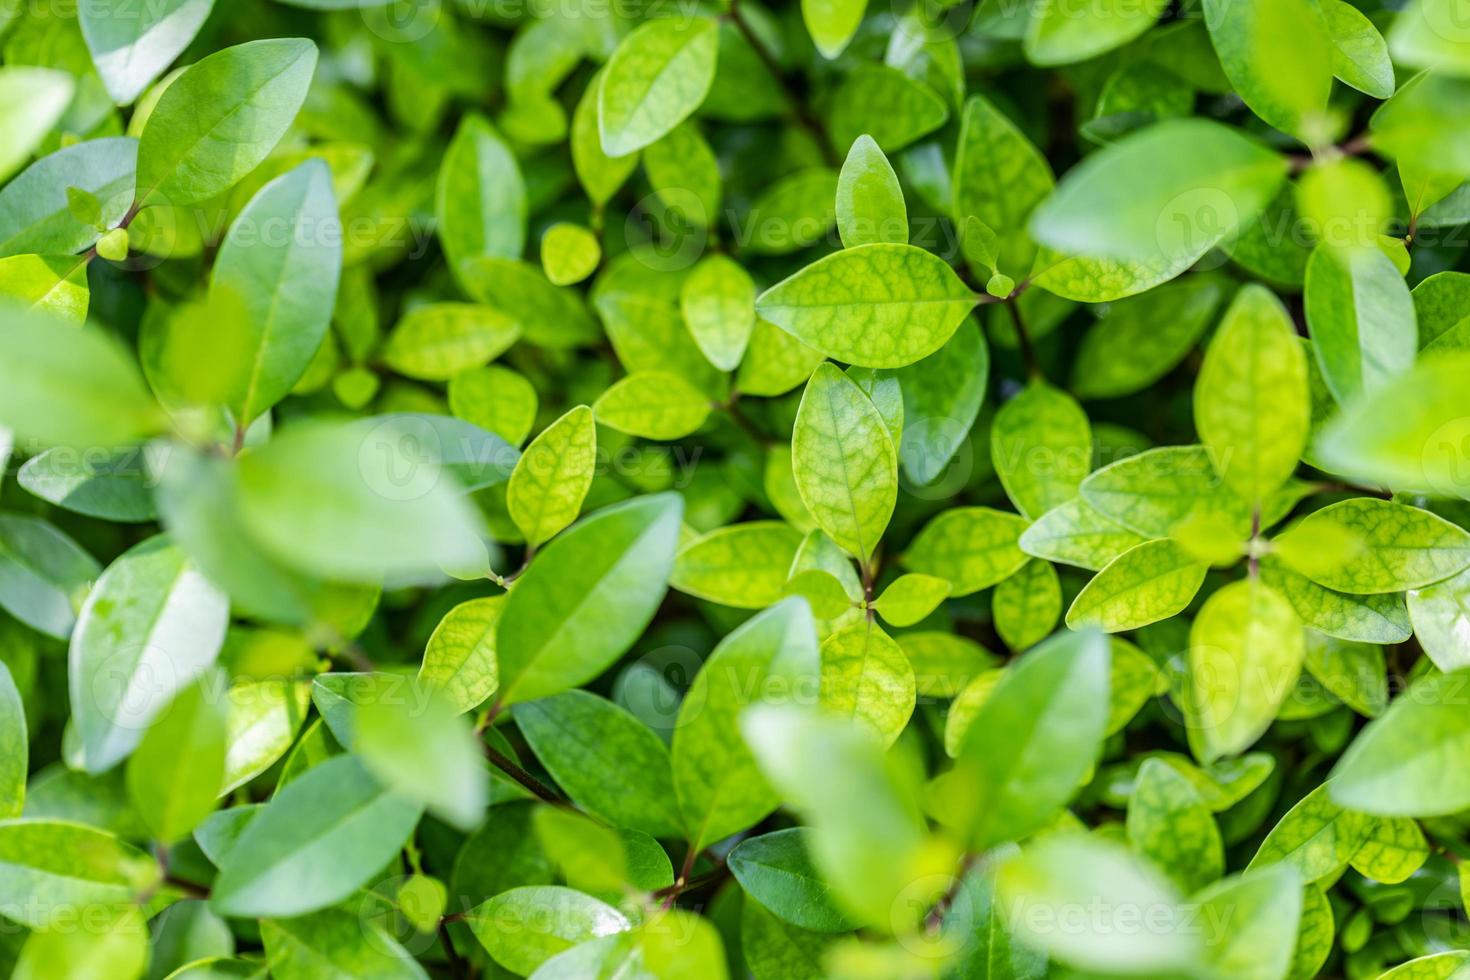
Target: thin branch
[
  {"x": 790, "y": 87},
  {"x": 527, "y": 781},
  {"x": 1023, "y": 337}
]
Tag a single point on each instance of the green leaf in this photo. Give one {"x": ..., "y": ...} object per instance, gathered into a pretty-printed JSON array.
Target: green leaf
[
  {"x": 65, "y": 386},
  {"x": 794, "y": 213},
  {"x": 1359, "y": 53},
  {"x": 1077, "y": 534},
  {"x": 43, "y": 574},
  {"x": 1250, "y": 404},
  {"x": 317, "y": 841},
  {"x": 460, "y": 657},
  {"x": 942, "y": 395},
  {"x": 1377, "y": 546},
  {"x": 1141, "y": 339},
  {"x": 132, "y": 48},
  {"x": 1393, "y": 849},
  {"x": 550, "y": 316},
  {"x": 864, "y": 830},
  {"x": 1316, "y": 837},
  {"x": 1266, "y": 910},
  {"x": 418, "y": 747},
  {"x": 653, "y": 405},
  {"x": 175, "y": 774},
  {"x": 1361, "y": 319},
  {"x": 685, "y": 173},
  {"x": 870, "y": 204},
  {"x": 1169, "y": 824},
  {"x": 1351, "y": 672},
  {"x": 495, "y": 399},
  {"x": 886, "y": 103},
  {"x": 1041, "y": 446},
  {"x": 908, "y": 599},
  {"x": 1147, "y": 583},
  {"x": 34, "y": 100},
  {"x": 440, "y": 340},
  {"x": 281, "y": 258},
  {"x": 1253, "y": 38},
  {"x": 775, "y": 950},
  {"x": 55, "y": 285},
  {"x": 1364, "y": 618},
  {"x": 744, "y": 565},
  {"x": 1399, "y": 765},
  {"x": 263, "y": 717},
  {"x": 601, "y": 175},
  {"x": 56, "y": 870},
  {"x": 867, "y": 678},
  {"x": 1034, "y": 739},
  {"x": 35, "y": 213},
  {"x": 553, "y": 476},
  {"x": 113, "y": 486},
  {"x": 771, "y": 656},
  {"x": 1025, "y": 607},
  {"x": 718, "y": 304},
  {"x": 15, "y": 760},
  {"x": 1119, "y": 204},
  {"x": 1429, "y": 34},
  {"x": 1157, "y": 491},
  {"x": 1068, "y": 871},
  {"x": 972, "y": 548},
  {"x": 832, "y": 23},
  {"x": 150, "y": 626},
  {"x": 569, "y": 253},
  {"x": 845, "y": 464},
  {"x": 656, "y": 78},
  {"x": 606, "y": 760},
  {"x": 524, "y": 927},
  {"x": 586, "y": 598},
  {"x": 881, "y": 305},
  {"x": 480, "y": 199},
  {"x": 1419, "y": 127},
  {"x": 356, "y": 503},
  {"x": 776, "y": 870},
  {"x": 1440, "y": 614},
  {"x": 335, "y": 942},
  {"x": 1058, "y": 34},
  {"x": 1407, "y": 433},
  {"x": 221, "y": 118},
  {"x": 999, "y": 178},
  {"x": 114, "y": 944},
  {"x": 1245, "y": 653}
]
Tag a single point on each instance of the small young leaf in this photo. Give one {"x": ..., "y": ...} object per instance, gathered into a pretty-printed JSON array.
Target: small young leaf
[{"x": 870, "y": 204}]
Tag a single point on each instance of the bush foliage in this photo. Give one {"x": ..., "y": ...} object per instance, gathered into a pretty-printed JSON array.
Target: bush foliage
[{"x": 696, "y": 489}]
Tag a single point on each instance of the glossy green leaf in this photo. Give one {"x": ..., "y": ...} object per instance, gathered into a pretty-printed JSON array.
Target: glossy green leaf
[
  {"x": 45, "y": 574},
  {"x": 56, "y": 870},
  {"x": 588, "y": 596},
  {"x": 1250, "y": 403},
  {"x": 658, "y": 75},
  {"x": 1057, "y": 34},
  {"x": 480, "y": 199},
  {"x": 972, "y": 548},
  {"x": 1041, "y": 446},
  {"x": 653, "y": 405},
  {"x": 1169, "y": 824},
  {"x": 1317, "y": 837},
  {"x": 1252, "y": 37},
  {"x": 175, "y": 774},
  {"x": 150, "y": 626},
  {"x": 314, "y": 844},
  {"x": 999, "y": 178},
  {"x": 870, "y": 204},
  {"x": 718, "y": 785},
  {"x": 553, "y": 475},
  {"x": 460, "y": 657},
  {"x": 281, "y": 259},
  {"x": 1361, "y": 319},
  {"x": 744, "y": 565},
  {"x": 1245, "y": 652},
  {"x": 776, "y": 870},
  {"x": 1367, "y": 546},
  {"x": 221, "y": 118},
  {"x": 1145, "y": 584},
  {"x": 718, "y": 303},
  {"x": 610, "y": 763},
  {"x": 881, "y": 305},
  {"x": 1119, "y": 205},
  {"x": 845, "y": 464},
  {"x": 867, "y": 678}
]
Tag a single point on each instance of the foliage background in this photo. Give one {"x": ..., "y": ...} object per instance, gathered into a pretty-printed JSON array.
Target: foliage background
[{"x": 668, "y": 489}]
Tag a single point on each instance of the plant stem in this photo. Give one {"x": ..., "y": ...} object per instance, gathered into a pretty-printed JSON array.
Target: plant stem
[
  {"x": 1023, "y": 337},
  {"x": 527, "y": 781},
  {"x": 789, "y": 86}
]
